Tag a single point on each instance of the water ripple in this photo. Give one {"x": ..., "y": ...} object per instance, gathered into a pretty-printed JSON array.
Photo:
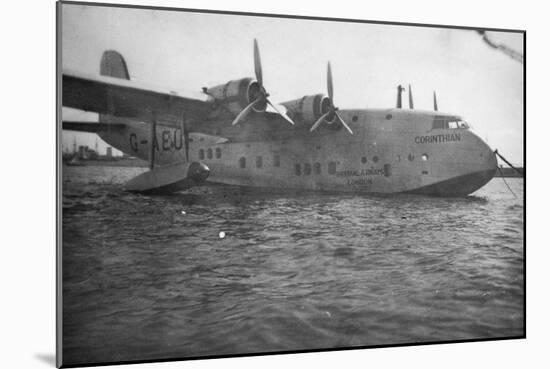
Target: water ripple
[{"x": 142, "y": 280}]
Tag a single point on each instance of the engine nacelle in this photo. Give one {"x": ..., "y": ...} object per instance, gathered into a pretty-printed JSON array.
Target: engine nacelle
[
  {"x": 309, "y": 108},
  {"x": 237, "y": 94}
]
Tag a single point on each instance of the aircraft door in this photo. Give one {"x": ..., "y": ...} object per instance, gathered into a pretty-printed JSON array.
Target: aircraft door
[{"x": 425, "y": 164}]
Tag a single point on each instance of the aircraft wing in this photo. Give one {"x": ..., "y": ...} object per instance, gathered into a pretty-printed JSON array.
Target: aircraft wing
[
  {"x": 125, "y": 98},
  {"x": 91, "y": 127}
]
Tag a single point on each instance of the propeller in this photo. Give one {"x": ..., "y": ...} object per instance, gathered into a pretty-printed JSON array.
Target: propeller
[
  {"x": 262, "y": 95},
  {"x": 332, "y": 112},
  {"x": 435, "y": 102},
  {"x": 411, "y": 105}
]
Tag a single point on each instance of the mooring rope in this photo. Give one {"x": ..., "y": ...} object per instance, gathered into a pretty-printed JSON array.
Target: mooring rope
[
  {"x": 507, "y": 162},
  {"x": 505, "y": 49},
  {"x": 502, "y": 174},
  {"x": 506, "y": 183}
]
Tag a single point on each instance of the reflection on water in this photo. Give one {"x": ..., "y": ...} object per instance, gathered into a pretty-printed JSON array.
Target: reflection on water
[{"x": 295, "y": 271}]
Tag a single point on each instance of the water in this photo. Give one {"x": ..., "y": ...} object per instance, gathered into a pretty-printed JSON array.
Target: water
[{"x": 295, "y": 271}]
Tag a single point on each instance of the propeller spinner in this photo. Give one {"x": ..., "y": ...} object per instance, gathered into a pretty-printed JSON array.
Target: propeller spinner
[
  {"x": 261, "y": 95},
  {"x": 332, "y": 111}
]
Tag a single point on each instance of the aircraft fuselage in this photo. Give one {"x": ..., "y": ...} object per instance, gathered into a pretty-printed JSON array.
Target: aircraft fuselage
[{"x": 391, "y": 151}]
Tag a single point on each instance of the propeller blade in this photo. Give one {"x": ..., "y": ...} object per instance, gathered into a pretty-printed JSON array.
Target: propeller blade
[
  {"x": 286, "y": 117},
  {"x": 435, "y": 102},
  {"x": 329, "y": 83},
  {"x": 245, "y": 111},
  {"x": 343, "y": 123},
  {"x": 319, "y": 121},
  {"x": 257, "y": 63},
  {"x": 411, "y": 105}
]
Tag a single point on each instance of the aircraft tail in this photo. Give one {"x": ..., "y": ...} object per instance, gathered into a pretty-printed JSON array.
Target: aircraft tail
[{"x": 113, "y": 65}]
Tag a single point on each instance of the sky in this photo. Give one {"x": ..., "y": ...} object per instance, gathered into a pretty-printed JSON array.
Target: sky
[{"x": 186, "y": 51}]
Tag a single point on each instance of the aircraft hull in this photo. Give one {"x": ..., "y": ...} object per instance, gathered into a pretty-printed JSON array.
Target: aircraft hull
[
  {"x": 383, "y": 156},
  {"x": 458, "y": 186}
]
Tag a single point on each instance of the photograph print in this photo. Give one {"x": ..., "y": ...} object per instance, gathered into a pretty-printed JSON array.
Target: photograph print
[{"x": 244, "y": 184}]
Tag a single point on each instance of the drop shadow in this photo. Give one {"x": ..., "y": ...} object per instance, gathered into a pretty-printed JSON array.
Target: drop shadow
[{"x": 46, "y": 358}]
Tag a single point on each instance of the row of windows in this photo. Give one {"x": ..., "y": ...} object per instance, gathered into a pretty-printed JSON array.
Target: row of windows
[
  {"x": 411, "y": 157},
  {"x": 374, "y": 159},
  {"x": 308, "y": 168},
  {"x": 209, "y": 153},
  {"x": 259, "y": 160},
  {"x": 316, "y": 168},
  {"x": 297, "y": 168}
]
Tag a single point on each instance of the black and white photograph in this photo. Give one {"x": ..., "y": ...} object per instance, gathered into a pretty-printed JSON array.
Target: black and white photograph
[{"x": 234, "y": 184}]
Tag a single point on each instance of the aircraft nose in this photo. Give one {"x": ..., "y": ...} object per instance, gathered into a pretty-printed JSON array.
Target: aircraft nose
[
  {"x": 198, "y": 172},
  {"x": 489, "y": 158},
  {"x": 484, "y": 162},
  {"x": 492, "y": 160}
]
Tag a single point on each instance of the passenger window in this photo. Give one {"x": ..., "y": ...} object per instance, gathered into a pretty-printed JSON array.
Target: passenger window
[
  {"x": 331, "y": 167},
  {"x": 242, "y": 162},
  {"x": 259, "y": 162},
  {"x": 201, "y": 154},
  {"x": 298, "y": 169},
  {"x": 307, "y": 169},
  {"x": 317, "y": 168},
  {"x": 209, "y": 153},
  {"x": 276, "y": 161},
  {"x": 218, "y": 153}
]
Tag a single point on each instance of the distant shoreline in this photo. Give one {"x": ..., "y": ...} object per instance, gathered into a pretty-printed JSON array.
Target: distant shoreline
[{"x": 509, "y": 173}]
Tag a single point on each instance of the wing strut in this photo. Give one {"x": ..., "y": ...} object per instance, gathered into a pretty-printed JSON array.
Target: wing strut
[
  {"x": 185, "y": 133},
  {"x": 153, "y": 139}
]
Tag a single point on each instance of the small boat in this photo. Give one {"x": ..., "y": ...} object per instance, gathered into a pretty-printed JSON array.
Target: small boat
[{"x": 75, "y": 162}]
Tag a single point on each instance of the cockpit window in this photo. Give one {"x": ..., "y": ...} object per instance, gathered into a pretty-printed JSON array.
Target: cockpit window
[{"x": 449, "y": 122}]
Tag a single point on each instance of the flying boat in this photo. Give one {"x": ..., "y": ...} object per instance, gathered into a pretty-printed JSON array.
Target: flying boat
[{"x": 233, "y": 134}]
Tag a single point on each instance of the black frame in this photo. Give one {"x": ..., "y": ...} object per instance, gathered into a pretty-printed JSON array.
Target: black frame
[{"x": 58, "y": 74}]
